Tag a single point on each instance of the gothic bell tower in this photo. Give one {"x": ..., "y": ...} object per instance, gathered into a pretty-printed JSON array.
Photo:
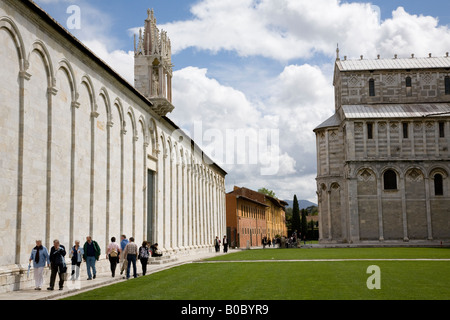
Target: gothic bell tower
[{"x": 153, "y": 66}]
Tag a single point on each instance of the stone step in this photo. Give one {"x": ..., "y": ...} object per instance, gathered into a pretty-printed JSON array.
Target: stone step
[{"x": 162, "y": 261}]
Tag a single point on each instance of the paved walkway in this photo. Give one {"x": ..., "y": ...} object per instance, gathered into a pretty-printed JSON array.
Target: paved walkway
[{"x": 102, "y": 279}]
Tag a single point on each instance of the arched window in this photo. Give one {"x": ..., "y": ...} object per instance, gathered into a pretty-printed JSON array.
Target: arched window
[
  {"x": 390, "y": 180},
  {"x": 372, "y": 88},
  {"x": 438, "y": 185},
  {"x": 441, "y": 130},
  {"x": 405, "y": 130},
  {"x": 408, "y": 87},
  {"x": 369, "y": 130},
  {"x": 447, "y": 85}
]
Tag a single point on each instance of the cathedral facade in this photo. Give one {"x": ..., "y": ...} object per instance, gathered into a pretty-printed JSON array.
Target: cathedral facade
[
  {"x": 383, "y": 158},
  {"x": 84, "y": 152}
]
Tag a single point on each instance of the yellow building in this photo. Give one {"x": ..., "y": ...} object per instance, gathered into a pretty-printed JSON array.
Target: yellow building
[
  {"x": 252, "y": 215},
  {"x": 275, "y": 217}
]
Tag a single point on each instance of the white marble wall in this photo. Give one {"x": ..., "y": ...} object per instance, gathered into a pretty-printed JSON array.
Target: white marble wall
[{"x": 76, "y": 144}]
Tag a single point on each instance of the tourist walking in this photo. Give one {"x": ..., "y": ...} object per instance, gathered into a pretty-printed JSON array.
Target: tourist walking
[
  {"x": 91, "y": 255},
  {"x": 131, "y": 253},
  {"x": 123, "y": 242},
  {"x": 112, "y": 254},
  {"x": 76, "y": 255},
  {"x": 40, "y": 257},
  {"x": 217, "y": 244},
  {"x": 225, "y": 244},
  {"x": 144, "y": 254},
  {"x": 57, "y": 264}
]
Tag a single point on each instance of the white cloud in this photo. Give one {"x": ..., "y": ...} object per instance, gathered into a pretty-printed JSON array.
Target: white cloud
[
  {"x": 299, "y": 99},
  {"x": 296, "y": 100},
  {"x": 404, "y": 34},
  {"x": 122, "y": 62},
  {"x": 302, "y": 97},
  {"x": 291, "y": 29},
  {"x": 95, "y": 32}
]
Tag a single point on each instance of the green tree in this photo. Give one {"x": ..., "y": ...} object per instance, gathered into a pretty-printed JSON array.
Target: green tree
[
  {"x": 304, "y": 226},
  {"x": 267, "y": 192},
  {"x": 312, "y": 211},
  {"x": 295, "y": 224},
  {"x": 288, "y": 217}
]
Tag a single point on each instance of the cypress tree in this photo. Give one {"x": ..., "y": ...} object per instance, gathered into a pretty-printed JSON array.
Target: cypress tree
[
  {"x": 304, "y": 225},
  {"x": 296, "y": 223}
]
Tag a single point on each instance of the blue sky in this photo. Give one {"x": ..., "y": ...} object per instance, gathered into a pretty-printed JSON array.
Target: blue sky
[{"x": 261, "y": 65}]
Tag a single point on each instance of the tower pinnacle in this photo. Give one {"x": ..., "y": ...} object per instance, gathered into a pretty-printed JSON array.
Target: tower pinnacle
[{"x": 153, "y": 65}]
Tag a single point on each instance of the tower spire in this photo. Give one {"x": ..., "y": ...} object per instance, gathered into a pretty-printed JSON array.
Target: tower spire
[
  {"x": 153, "y": 65},
  {"x": 337, "y": 52}
]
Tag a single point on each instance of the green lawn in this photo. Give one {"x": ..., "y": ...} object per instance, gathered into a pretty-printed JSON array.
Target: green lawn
[
  {"x": 338, "y": 253},
  {"x": 290, "y": 280}
]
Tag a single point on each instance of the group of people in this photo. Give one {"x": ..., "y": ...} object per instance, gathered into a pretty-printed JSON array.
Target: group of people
[
  {"x": 224, "y": 242},
  {"x": 267, "y": 242},
  {"x": 127, "y": 252}
]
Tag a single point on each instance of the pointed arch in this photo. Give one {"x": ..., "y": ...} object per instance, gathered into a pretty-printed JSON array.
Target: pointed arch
[
  {"x": 163, "y": 148},
  {"x": 12, "y": 60},
  {"x": 170, "y": 146},
  {"x": 130, "y": 112},
  {"x": 65, "y": 65},
  {"x": 86, "y": 80},
  {"x": 105, "y": 95},
  {"x": 187, "y": 156},
  {"x": 181, "y": 154},
  {"x": 10, "y": 26},
  {"x": 119, "y": 106},
  {"x": 39, "y": 47},
  {"x": 153, "y": 134},
  {"x": 144, "y": 129}
]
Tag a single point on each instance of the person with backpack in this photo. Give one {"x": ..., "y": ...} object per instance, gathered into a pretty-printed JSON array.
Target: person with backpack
[
  {"x": 91, "y": 255},
  {"x": 113, "y": 254},
  {"x": 143, "y": 256}
]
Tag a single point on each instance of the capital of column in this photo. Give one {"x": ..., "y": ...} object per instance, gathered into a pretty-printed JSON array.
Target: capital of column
[
  {"x": 75, "y": 104},
  {"x": 52, "y": 91},
  {"x": 24, "y": 75},
  {"x": 94, "y": 114}
]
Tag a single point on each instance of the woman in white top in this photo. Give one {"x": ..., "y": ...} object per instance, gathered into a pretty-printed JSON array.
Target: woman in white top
[{"x": 112, "y": 253}]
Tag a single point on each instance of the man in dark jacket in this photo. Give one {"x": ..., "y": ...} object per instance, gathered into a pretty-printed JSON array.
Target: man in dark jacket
[
  {"x": 91, "y": 255},
  {"x": 217, "y": 244},
  {"x": 57, "y": 264},
  {"x": 225, "y": 244}
]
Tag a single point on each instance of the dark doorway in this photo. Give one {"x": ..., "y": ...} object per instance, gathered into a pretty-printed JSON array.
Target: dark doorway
[{"x": 150, "y": 205}]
